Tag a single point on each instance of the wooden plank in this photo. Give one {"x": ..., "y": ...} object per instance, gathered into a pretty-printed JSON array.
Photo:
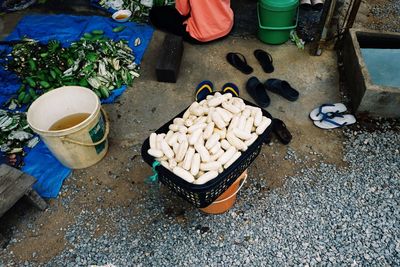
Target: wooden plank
[
  {"x": 170, "y": 59},
  {"x": 3, "y": 241},
  {"x": 12, "y": 195},
  {"x": 322, "y": 28},
  {"x": 353, "y": 14},
  {"x": 13, "y": 178},
  {"x": 36, "y": 200},
  {"x": 7, "y": 176},
  {"x": 12, "y": 189}
]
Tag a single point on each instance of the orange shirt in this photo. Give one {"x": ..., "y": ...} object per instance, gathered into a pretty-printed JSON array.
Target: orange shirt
[{"x": 209, "y": 19}]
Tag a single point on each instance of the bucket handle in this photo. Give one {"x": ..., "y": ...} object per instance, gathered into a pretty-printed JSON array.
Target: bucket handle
[
  {"x": 231, "y": 196},
  {"x": 107, "y": 131},
  {"x": 276, "y": 28}
]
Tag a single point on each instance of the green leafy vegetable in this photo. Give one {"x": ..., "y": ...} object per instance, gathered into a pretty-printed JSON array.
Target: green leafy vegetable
[
  {"x": 94, "y": 61},
  {"x": 98, "y": 32},
  {"x": 119, "y": 29},
  {"x": 15, "y": 133}
]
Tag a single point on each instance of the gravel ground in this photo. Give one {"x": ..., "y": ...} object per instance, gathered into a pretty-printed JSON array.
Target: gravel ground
[
  {"x": 325, "y": 215},
  {"x": 387, "y": 16}
]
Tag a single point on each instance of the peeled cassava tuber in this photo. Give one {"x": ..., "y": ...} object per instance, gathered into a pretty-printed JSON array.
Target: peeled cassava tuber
[
  {"x": 184, "y": 174},
  {"x": 210, "y": 137},
  {"x": 208, "y": 176}
]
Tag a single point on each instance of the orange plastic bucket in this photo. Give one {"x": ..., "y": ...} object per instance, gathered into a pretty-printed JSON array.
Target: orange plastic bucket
[{"x": 225, "y": 201}]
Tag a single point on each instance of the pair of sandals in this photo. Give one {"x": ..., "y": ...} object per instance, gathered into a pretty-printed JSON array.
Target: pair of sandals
[
  {"x": 314, "y": 4},
  {"x": 206, "y": 87},
  {"x": 330, "y": 116},
  {"x": 258, "y": 90},
  {"x": 239, "y": 61}
]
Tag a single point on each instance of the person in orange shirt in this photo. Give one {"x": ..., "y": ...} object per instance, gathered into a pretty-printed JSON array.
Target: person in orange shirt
[{"x": 197, "y": 21}]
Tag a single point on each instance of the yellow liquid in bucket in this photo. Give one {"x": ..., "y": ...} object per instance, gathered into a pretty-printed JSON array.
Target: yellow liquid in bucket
[{"x": 69, "y": 121}]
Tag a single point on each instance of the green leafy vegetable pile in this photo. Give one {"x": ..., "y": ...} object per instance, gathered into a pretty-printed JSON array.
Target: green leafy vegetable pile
[
  {"x": 15, "y": 132},
  {"x": 95, "y": 62}
]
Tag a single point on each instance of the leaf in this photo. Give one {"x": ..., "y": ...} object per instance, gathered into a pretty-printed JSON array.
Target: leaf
[
  {"x": 33, "y": 142},
  {"x": 83, "y": 82},
  {"x": 53, "y": 74},
  {"x": 119, "y": 29},
  {"x": 91, "y": 57},
  {"x": 87, "y": 35},
  {"x": 44, "y": 84},
  {"x": 104, "y": 92},
  {"x": 5, "y": 121},
  {"x": 31, "y": 82},
  {"x": 137, "y": 41},
  {"x": 97, "y": 92},
  {"x": 21, "y": 97},
  {"x": 32, "y": 93},
  {"x": 13, "y": 104},
  {"x": 70, "y": 61},
  {"x": 27, "y": 99},
  {"x": 32, "y": 64},
  {"x": 21, "y": 88},
  {"x": 19, "y": 135},
  {"x": 41, "y": 75},
  {"x": 58, "y": 71},
  {"x": 98, "y": 32}
]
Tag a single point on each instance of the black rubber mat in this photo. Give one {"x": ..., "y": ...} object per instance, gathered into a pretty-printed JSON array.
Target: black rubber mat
[
  {"x": 246, "y": 22},
  {"x": 307, "y": 27}
]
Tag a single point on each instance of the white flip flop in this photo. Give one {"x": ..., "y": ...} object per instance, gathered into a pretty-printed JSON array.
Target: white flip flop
[
  {"x": 335, "y": 122},
  {"x": 318, "y": 113}
]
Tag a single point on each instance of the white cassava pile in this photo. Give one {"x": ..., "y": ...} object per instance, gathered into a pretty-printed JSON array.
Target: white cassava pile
[{"x": 209, "y": 137}]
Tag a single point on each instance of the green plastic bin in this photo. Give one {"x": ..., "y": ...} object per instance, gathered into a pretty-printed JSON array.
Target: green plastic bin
[{"x": 276, "y": 18}]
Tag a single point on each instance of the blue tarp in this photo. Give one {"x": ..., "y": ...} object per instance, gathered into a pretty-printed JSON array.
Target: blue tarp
[
  {"x": 39, "y": 162},
  {"x": 69, "y": 28}
]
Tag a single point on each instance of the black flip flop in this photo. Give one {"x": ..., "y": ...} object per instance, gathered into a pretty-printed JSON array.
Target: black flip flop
[
  {"x": 257, "y": 91},
  {"x": 282, "y": 88},
  {"x": 230, "y": 88},
  {"x": 203, "y": 89},
  {"x": 239, "y": 61},
  {"x": 281, "y": 131},
  {"x": 265, "y": 60}
]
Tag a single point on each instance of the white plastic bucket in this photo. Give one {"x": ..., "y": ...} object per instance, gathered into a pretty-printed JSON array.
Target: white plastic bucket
[{"x": 77, "y": 147}]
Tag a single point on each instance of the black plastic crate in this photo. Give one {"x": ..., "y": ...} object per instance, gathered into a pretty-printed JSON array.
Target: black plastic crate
[{"x": 203, "y": 195}]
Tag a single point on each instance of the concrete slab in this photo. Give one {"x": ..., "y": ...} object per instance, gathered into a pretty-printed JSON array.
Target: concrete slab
[
  {"x": 149, "y": 104},
  {"x": 377, "y": 100}
]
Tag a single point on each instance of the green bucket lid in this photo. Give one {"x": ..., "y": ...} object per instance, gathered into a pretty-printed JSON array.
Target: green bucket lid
[{"x": 279, "y": 5}]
